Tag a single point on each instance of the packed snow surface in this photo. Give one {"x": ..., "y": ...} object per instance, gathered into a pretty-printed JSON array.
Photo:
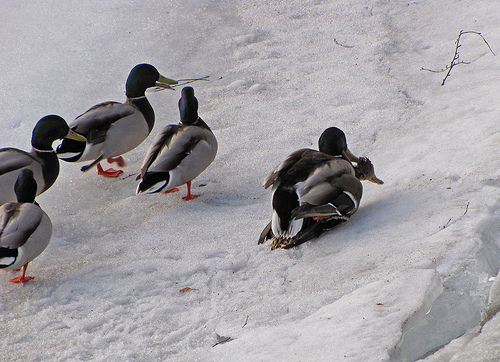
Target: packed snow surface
[{"x": 155, "y": 278}]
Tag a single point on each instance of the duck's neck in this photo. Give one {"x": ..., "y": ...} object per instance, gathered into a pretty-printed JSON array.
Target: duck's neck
[
  {"x": 50, "y": 166},
  {"x": 145, "y": 108}
]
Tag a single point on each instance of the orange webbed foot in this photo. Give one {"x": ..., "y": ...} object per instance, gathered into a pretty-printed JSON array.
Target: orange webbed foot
[
  {"x": 190, "y": 197},
  {"x": 109, "y": 172},
  {"x": 21, "y": 279},
  {"x": 175, "y": 189},
  {"x": 118, "y": 160}
]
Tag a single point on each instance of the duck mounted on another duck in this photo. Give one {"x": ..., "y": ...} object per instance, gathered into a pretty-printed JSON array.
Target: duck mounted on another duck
[
  {"x": 114, "y": 128},
  {"x": 180, "y": 152},
  {"x": 315, "y": 190},
  {"x": 42, "y": 159},
  {"x": 25, "y": 229}
]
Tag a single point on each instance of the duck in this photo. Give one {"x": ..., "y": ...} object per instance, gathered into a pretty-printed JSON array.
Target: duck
[
  {"x": 25, "y": 229},
  {"x": 42, "y": 158},
  {"x": 180, "y": 152},
  {"x": 113, "y": 128},
  {"x": 313, "y": 191}
]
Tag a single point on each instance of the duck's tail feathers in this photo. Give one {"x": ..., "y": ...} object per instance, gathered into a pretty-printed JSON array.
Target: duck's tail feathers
[
  {"x": 266, "y": 234},
  {"x": 153, "y": 182}
]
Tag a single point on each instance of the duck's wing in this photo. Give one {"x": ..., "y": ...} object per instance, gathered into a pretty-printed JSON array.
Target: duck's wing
[
  {"x": 177, "y": 147},
  {"x": 161, "y": 141},
  {"x": 95, "y": 123},
  {"x": 285, "y": 166},
  {"x": 13, "y": 159},
  {"x": 17, "y": 223},
  {"x": 338, "y": 196}
]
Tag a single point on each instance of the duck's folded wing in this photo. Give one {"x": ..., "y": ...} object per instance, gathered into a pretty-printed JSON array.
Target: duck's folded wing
[
  {"x": 179, "y": 148},
  {"x": 17, "y": 223},
  {"x": 285, "y": 166},
  {"x": 13, "y": 159},
  {"x": 162, "y": 140},
  {"x": 333, "y": 196},
  {"x": 94, "y": 123}
]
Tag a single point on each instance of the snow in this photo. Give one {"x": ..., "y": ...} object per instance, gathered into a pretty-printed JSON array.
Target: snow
[{"x": 408, "y": 277}]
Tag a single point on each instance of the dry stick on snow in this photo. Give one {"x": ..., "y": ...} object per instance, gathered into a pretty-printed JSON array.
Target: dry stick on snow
[
  {"x": 246, "y": 321},
  {"x": 342, "y": 45},
  {"x": 456, "y": 57}
]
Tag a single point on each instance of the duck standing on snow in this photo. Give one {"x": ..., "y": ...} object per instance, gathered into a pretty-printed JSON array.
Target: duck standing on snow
[
  {"x": 113, "y": 128},
  {"x": 25, "y": 229},
  {"x": 42, "y": 159},
  {"x": 179, "y": 153},
  {"x": 315, "y": 190}
]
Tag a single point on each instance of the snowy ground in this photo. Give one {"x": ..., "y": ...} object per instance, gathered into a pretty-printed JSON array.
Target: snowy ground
[{"x": 409, "y": 273}]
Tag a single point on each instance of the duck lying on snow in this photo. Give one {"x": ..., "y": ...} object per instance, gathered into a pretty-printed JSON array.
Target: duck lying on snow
[
  {"x": 179, "y": 153},
  {"x": 42, "y": 159},
  {"x": 113, "y": 128},
  {"x": 315, "y": 190},
  {"x": 25, "y": 229}
]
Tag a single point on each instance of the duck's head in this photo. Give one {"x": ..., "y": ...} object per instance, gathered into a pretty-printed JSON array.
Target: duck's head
[
  {"x": 334, "y": 143},
  {"x": 51, "y": 128},
  {"x": 25, "y": 186},
  {"x": 144, "y": 76},
  {"x": 365, "y": 171},
  {"x": 188, "y": 106}
]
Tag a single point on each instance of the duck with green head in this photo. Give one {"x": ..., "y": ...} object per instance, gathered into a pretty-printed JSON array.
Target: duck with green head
[
  {"x": 315, "y": 190},
  {"x": 42, "y": 159},
  {"x": 180, "y": 152},
  {"x": 25, "y": 229},
  {"x": 113, "y": 128}
]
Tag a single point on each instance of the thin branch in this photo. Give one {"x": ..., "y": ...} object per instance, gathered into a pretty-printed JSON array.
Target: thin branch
[
  {"x": 342, "y": 45},
  {"x": 475, "y": 32},
  {"x": 246, "y": 321},
  {"x": 466, "y": 208},
  {"x": 456, "y": 56}
]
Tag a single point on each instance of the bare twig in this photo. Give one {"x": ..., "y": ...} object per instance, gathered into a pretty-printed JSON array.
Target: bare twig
[
  {"x": 246, "y": 321},
  {"x": 466, "y": 208},
  {"x": 187, "y": 81},
  {"x": 342, "y": 45},
  {"x": 456, "y": 57}
]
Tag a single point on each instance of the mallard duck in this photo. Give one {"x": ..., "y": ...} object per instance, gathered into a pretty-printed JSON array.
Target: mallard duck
[
  {"x": 25, "y": 229},
  {"x": 113, "y": 128},
  {"x": 180, "y": 152},
  {"x": 315, "y": 190},
  {"x": 42, "y": 159}
]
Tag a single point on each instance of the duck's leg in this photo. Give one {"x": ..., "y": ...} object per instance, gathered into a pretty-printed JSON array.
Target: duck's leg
[
  {"x": 22, "y": 278},
  {"x": 110, "y": 172},
  {"x": 189, "y": 196}
]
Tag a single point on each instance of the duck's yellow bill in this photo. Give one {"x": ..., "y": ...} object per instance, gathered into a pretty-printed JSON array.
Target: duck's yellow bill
[
  {"x": 164, "y": 82},
  {"x": 376, "y": 180},
  {"x": 72, "y": 135}
]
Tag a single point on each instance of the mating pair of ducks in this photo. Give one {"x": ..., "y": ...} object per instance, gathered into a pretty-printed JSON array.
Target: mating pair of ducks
[{"x": 312, "y": 190}]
